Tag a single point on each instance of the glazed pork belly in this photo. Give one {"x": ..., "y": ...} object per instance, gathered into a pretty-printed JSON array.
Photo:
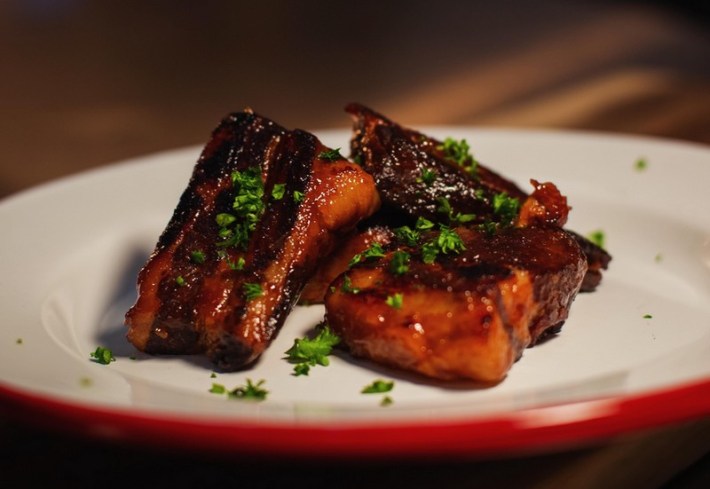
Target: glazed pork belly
[
  {"x": 460, "y": 302},
  {"x": 419, "y": 176},
  {"x": 262, "y": 207}
]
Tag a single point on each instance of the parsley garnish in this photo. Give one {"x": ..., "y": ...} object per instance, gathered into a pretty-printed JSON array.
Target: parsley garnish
[
  {"x": 374, "y": 251},
  {"x": 330, "y": 155},
  {"x": 386, "y": 401},
  {"x": 247, "y": 208},
  {"x": 180, "y": 280},
  {"x": 278, "y": 191},
  {"x": 347, "y": 286},
  {"x": 647, "y": 316},
  {"x": 400, "y": 262},
  {"x": 395, "y": 300},
  {"x": 407, "y": 235},
  {"x": 423, "y": 224},
  {"x": 250, "y": 391},
  {"x": 378, "y": 387},
  {"x": 102, "y": 355},
  {"x": 252, "y": 290},
  {"x": 297, "y": 196},
  {"x": 198, "y": 256},
  {"x": 641, "y": 164},
  {"x": 597, "y": 237},
  {"x": 460, "y": 153},
  {"x": 307, "y": 353},
  {"x": 506, "y": 207},
  {"x": 427, "y": 177},
  {"x": 445, "y": 208},
  {"x": 449, "y": 241}
]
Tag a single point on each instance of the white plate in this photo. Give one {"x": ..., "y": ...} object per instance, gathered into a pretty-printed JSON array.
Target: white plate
[{"x": 71, "y": 250}]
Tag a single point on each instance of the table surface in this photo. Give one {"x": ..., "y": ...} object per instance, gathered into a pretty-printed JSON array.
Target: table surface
[{"x": 87, "y": 84}]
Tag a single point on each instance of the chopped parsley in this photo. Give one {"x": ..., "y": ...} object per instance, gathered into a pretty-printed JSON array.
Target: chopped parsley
[
  {"x": 378, "y": 387},
  {"x": 407, "y": 235},
  {"x": 386, "y": 401},
  {"x": 297, "y": 196},
  {"x": 347, "y": 286},
  {"x": 647, "y": 316},
  {"x": 180, "y": 280},
  {"x": 395, "y": 300},
  {"x": 446, "y": 209},
  {"x": 252, "y": 291},
  {"x": 250, "y": 391},
  {"x": 597, "y": 237},
  {"x": 427, "y": 177},
  {"x": 330, "y": 155},
  {"x": 247, "y": 207},
  {"x": 374, "y": 251},
  {"x": 198, "y": 256},
  {"x": 449, "y": 241},
  {"x": 400, "y": 262},
  {"x": 641, "y": 164},
  {"x": 505, "y": 207},
  {"x": 460, "y": 153},
  {"x": 423, "y": 224},
  {"x": 278, "y": 191},
  {"x": 102, "y": 355},
  {"x": 307, "y": 352}
]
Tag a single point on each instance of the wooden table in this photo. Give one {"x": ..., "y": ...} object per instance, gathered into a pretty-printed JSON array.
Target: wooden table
[{"x": 89, "y": 83}]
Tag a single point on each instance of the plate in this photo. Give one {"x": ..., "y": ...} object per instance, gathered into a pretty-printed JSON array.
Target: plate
[{"x": 634, "y": 354}]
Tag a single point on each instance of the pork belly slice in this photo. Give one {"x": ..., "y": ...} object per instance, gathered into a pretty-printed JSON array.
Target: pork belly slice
[
  {"x": 414, "y": 173},
  {"x": 262, "y": 207},
  {"x": 468, "y": 314}
]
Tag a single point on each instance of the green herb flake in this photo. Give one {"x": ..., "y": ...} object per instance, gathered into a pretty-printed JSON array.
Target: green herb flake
[
  {"x": 597, "y": 237},
  {"x": 250, "y": 391},
  {"x": 217, "y": 388},
  {"x": 19, "y": 341},
  {"x": 386, "y": 401},
  {"x": 449, "y": 241},
  {"x": 427, "y": 177},
  {"x": 278, "y": 191},
  {"x": 423, "y": 224},
  {"x": 198, "y": 256},
  {"x": 378, "y": 387},
  {"x": 641, "y": 164},
  {"x": 85, "y": 382},
  {"x": 252, "y": 291},
  {"x": 373, "y": 252},
  {"x": 647, "y": 316},
  {"x": 395, "y": 300},
  {"x": 225, "y": 219},
  {"x": 180, "y": 280},
  {"x": 312, "y": 351},
  {"x": 400, "y": 262},
  {"x": 297, "y": 196},
  {"x": 459, "y": 152},
  {"x": 347, "y": 286},
  {"x": 102, "y": 355},
  {"x": 407, "y": 235},
  {"x": 429, "y": 252},
  {"x": 506, "y": 207},
  {"x": 330, "y": 155},
  {"x": 213, "y": 375}
]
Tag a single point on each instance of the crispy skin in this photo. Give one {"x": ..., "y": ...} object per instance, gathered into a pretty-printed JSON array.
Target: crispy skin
[
  {"x": 471, "y": 313},
  {"x": 201, "y": 306},
  {"x": 397, "y": 157},
  {"x": 467, "y": 316}
]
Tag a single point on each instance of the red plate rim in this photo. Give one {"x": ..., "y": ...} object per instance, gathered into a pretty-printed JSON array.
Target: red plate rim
[{"x": 531, "y": 430}]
